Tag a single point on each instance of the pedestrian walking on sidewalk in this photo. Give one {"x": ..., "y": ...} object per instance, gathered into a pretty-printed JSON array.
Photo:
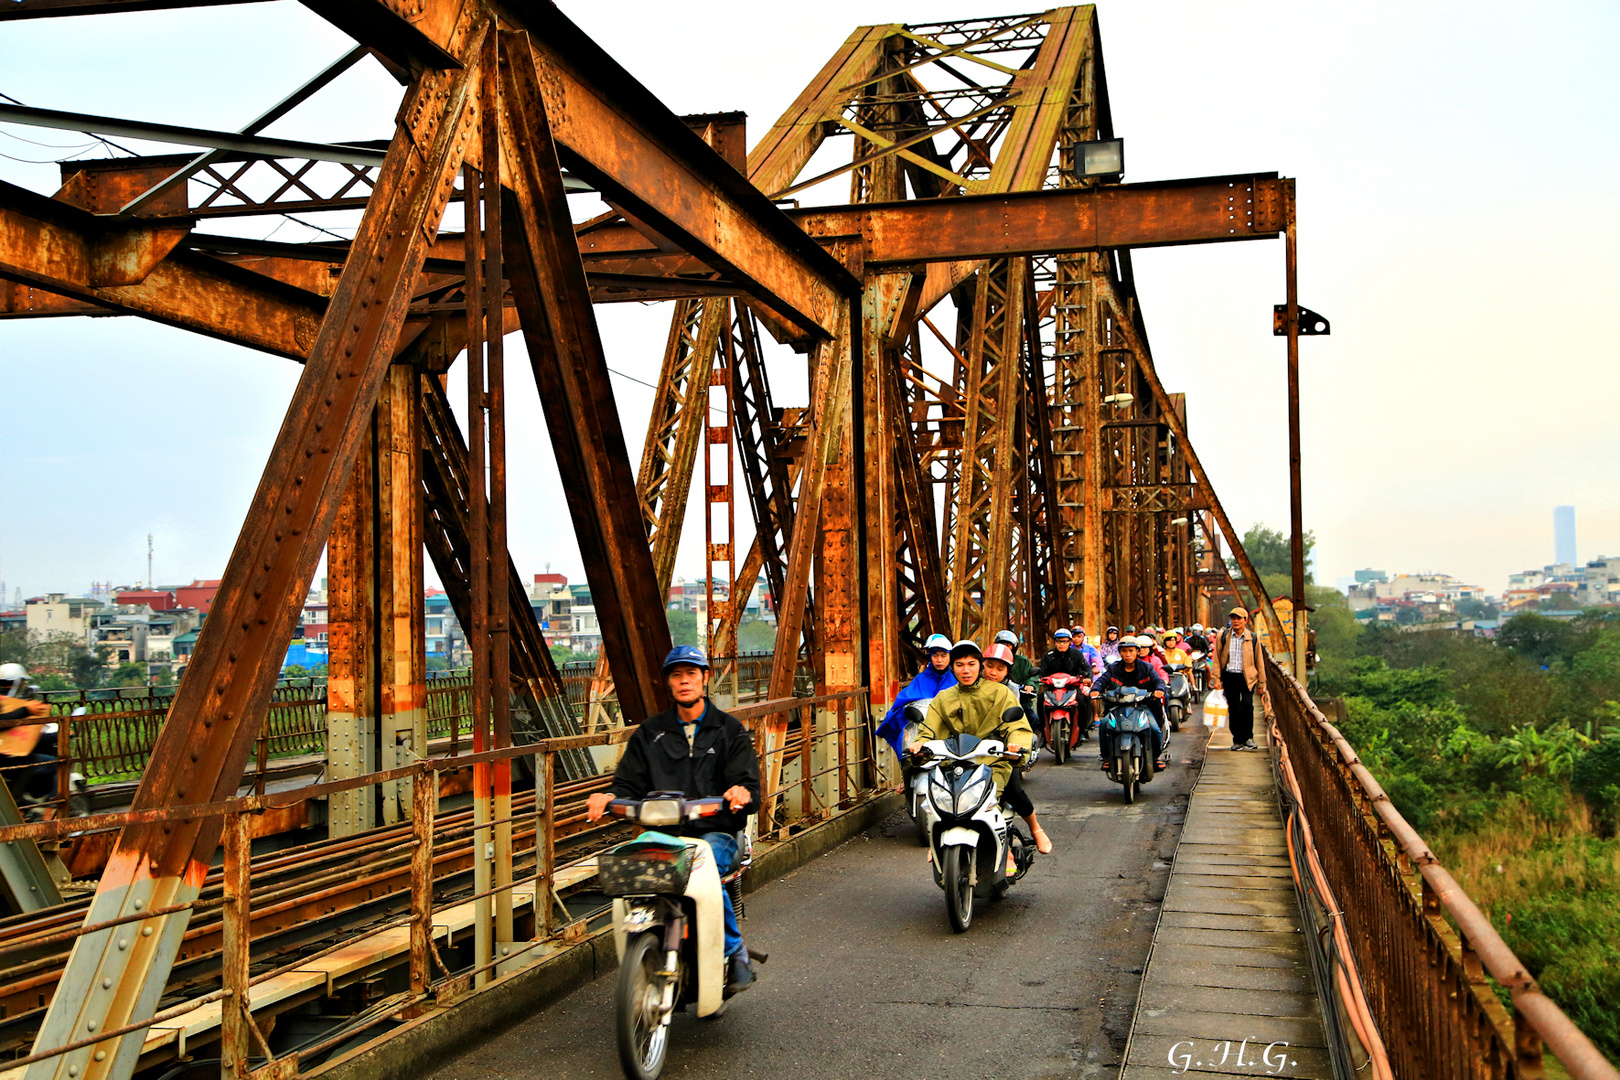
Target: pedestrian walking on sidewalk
[{"x": 1238, "y": 655}]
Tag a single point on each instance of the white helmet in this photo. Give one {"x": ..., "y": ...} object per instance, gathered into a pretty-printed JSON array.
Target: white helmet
[{"x": 15, "y": 675}]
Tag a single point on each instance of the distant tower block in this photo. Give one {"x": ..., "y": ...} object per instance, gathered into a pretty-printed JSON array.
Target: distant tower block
[{"x": 1564, "y": 534}]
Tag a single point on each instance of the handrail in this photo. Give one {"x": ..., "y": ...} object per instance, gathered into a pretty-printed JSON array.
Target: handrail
[{"x": 1455, "y": 959}]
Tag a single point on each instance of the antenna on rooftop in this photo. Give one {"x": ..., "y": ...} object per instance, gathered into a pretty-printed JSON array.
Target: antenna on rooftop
[{"x": 148, "y": 560}]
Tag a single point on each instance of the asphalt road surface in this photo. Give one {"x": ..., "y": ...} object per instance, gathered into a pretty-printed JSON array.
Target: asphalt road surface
[{"x": 866, "y": 979}]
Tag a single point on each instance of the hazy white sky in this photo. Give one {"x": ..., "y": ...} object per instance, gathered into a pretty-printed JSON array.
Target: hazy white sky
[{"x": 1457, "y": 219}]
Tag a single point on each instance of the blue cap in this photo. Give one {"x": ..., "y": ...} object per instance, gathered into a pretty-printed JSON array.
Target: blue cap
[
  {"x": 686, "y": 654},
  {"x": 1062, "y": 633},
  {"x": 937, "y": 641}
]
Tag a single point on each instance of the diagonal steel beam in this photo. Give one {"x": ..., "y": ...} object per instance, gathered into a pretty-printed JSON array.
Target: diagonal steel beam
[
  {"x": 117, "y": 976},
  {"x": 570, "y": 370}
]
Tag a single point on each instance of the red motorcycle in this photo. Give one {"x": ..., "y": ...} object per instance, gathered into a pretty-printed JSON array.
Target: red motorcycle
[{"x": 1061, "y": 708}]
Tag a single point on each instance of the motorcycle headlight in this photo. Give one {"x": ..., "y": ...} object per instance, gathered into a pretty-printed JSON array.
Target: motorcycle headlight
[
  {"x": 972, "y": 795},
  {"x": 939, "y": 794},
  {"x": 660, "y": 812}
]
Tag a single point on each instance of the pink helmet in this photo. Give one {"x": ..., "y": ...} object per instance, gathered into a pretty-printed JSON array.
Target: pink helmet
[{"x": 1000, "y": 652}]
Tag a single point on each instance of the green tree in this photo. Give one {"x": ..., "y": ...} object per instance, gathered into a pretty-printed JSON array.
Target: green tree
[
  {"x": 132, "y": 673},
  {"x": 1541, "y": 640},
  {"x": 1271, "y": 553},
  {"x": 683, "y": 627},
  {"x": 1470, "y": 608},
  {"x": 14, "y": 647},
  {"x": 88, "y": 667},
  {"x": 756, "y": 635}
]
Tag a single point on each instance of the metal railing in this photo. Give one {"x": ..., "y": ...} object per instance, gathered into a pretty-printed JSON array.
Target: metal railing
[
  {"x": 816, "y": 756},
  {"x": 1429, "y": 960}
]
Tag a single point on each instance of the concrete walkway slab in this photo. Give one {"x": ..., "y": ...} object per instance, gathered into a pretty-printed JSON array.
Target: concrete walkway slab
[{"x": 1228, "y": 987}]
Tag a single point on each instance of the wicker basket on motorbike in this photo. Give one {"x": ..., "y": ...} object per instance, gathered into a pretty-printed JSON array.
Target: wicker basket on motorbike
[{"x": 643, "y": 868}]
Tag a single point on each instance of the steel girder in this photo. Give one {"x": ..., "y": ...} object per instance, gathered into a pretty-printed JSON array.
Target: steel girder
[{"x": 115, "y": 977}]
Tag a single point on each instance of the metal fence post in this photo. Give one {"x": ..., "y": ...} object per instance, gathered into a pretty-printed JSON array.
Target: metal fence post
[
  {"x": 234, "y": 1050},
  {"x": 424, "y": 797},
  {"x": 546, "y": 836}
]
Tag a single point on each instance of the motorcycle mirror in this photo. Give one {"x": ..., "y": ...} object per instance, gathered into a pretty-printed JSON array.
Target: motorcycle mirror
[{"x": 1016, "y": 712}]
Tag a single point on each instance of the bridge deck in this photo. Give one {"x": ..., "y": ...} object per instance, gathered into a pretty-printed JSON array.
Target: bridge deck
[
  {"x": 866, "y": 980},
  {"x": 1228, "y": 962}
]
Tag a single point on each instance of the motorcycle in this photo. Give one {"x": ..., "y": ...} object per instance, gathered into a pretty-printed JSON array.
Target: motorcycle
[
  {"x": 1178, "y": 698},
  {"x": 916, "y": 781},
  {"x": 35, "y": 787},
  {"x": 668, "y": 924},
  {"x": 969, "y": 835},
  {"x": 1128, "y": 726},
  {"x": 1060, "y": 704},
  {"x": 1200, "y": 672}
]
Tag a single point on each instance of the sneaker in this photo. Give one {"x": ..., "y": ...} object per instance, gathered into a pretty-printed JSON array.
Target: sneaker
[
  {"x": 1249, "y": 746},
  {"x": 739, "y": 972}
]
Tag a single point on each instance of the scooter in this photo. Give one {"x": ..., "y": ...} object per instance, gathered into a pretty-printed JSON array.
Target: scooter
[
  {"x": 1178, "y": 698},
  {"x": 969, "y": 835},
  {"x": 1200, "y": 672},
  {"x": 1127, "y": 739},
  {"x": 916, "y": 780},
  {"x": 35, "y": 786},
  {"x": 668, "y": 924},
  {"x": 1026, "y": 699},
  {"x": 1060, "y": 704}
]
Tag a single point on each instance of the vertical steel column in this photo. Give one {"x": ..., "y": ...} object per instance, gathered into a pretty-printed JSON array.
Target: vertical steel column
[
  {"x": 235, "y": 1012},
  {"x": 1296, "y": 511},
  {"x": 351, "y": 680},
  {"x": 400, "y": 620},
  {"x": 719, "y": 486},
  {"x": 478, "y": 638}
]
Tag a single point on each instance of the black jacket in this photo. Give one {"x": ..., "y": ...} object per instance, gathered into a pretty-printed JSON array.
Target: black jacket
[
  {"x": 721, "y": 756},
  {"x": 1071, "y": 661},
  {"x": 1142, "y": 677}
]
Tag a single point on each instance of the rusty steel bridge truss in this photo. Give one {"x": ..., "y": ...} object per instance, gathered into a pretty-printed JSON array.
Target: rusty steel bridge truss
[{"x": 985, "y": 444}]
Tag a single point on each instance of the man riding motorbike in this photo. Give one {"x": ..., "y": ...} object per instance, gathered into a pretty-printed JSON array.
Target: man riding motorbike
[
  {"x": 702, "y": 752},
  {"x": 923, "y": 686},
  {"x": 998, "y": 668},
  {"x": 1129, "y": 670},
  {"x": 1065, "y": 657},
  {"x": 1088, "y": 650},
  {"x": 976, "y": 706},
  {"x": 23, "y": 746}
]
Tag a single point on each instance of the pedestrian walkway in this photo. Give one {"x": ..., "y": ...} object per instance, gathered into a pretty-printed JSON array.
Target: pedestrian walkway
[{"x": 1228, "y": 987}]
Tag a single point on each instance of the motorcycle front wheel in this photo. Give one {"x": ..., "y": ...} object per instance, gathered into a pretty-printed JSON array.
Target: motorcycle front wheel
[
  {"x": 643, "y": 1035},
  {"x": 1126, "y": 770},
  {"x": 958, "y": 887},
  {"x": 1175, "y": 719},
  {"x": 1060, "y": 740}
]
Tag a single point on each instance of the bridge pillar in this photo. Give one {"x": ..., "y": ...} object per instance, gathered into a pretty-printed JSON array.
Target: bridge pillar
[{"x": 376, "y": 676}]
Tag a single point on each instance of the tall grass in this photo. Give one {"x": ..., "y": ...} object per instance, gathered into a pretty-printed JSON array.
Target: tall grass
[{"x": 1551, "y": 887}]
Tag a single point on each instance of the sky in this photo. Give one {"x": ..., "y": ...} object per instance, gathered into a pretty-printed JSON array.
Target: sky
[{"x": 1457, "y": 214}]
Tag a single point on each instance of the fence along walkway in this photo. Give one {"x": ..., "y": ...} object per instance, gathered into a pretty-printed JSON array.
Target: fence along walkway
[{"x": 1228, "y": 986}]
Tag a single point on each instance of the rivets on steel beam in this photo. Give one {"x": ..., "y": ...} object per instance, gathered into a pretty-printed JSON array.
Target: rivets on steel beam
[
  {"x": 73, "y": 1070},
  {"x": 106, "y": 984},
  {"x": 101, "y": 1055},
  {"x": 139, "y": 904},
  {"x": 123, "y": 943},
  {"x": 146, "y": 931},
  {"x": 90, "y": 1026}
]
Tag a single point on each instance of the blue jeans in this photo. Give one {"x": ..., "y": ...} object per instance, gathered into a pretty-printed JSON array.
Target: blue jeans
[{"x": 724, "y": 846}]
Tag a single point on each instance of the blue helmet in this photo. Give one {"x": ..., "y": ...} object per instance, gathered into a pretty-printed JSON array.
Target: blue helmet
[
  {"x": 1061, "y": 634},
  {"x": 686, "y": 654},
  {"x": 937, "y": 641}
]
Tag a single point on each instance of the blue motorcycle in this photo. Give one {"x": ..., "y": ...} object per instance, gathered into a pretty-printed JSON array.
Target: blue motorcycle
[{"x": 1130, "y": 733}]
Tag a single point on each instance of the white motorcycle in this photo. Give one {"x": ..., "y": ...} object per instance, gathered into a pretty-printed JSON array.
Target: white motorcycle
[
  {"x": 968, "y": 834},
  {"x": 668, "y": 924}
]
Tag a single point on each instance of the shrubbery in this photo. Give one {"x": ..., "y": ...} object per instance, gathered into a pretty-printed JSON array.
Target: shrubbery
[{"x": 1506, "y": 757}]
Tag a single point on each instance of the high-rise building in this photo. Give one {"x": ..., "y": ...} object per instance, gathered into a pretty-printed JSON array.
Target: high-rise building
[{"x": 1564, "y": 535}]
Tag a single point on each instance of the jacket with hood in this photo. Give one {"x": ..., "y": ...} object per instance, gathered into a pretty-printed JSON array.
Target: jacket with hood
[
  {"x": 977, "y": 710},
  {"x": 923, "y": 686}
]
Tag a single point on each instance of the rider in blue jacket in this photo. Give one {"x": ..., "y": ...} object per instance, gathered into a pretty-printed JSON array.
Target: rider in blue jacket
[{"x": 923, "y": 687}]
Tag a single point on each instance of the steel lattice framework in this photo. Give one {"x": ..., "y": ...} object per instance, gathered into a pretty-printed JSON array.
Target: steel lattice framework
[{"x": 1003, "y": 488}]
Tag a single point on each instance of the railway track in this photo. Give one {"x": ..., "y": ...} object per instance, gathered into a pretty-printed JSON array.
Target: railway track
[{"x": 305, "y": 899}]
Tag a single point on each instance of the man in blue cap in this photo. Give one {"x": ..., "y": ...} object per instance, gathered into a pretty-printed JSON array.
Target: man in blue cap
[
  {"x": 703, "y": 752},
  {"x": 923, "y": 687}
]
